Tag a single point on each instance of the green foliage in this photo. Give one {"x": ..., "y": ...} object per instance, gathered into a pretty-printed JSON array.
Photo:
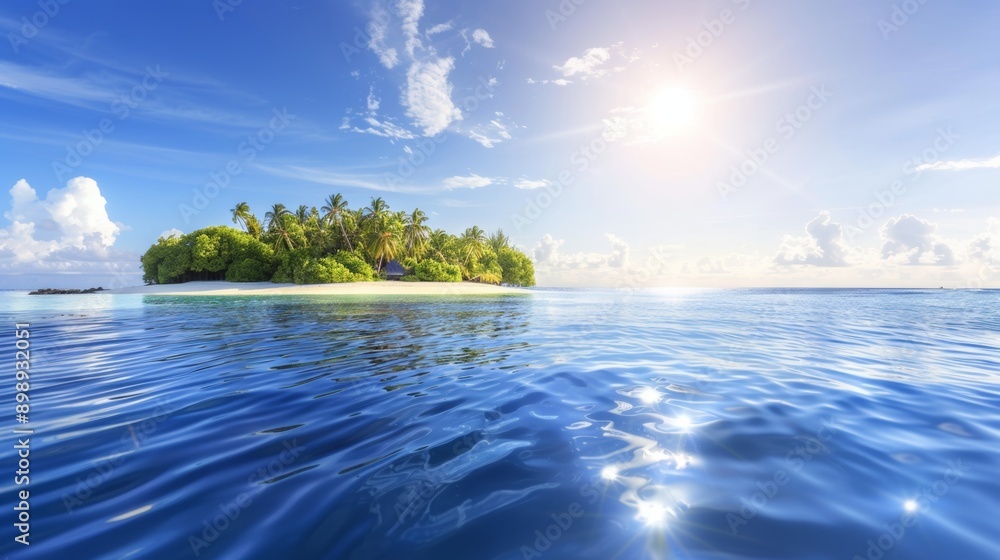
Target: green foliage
[
  {"x": 356, "y": 265},
  {"x": 429, "y": 270},
  {"x": 213, "y": 249},
  {"x": 323, "y": 271},
  {"x": 334, "y": 244},
  {"x": 166, "y": 261},
  {"x": 289, "y": 263},
  {"x": 250, "y": 270},
  {"x": 517, "y": 267},
  {"x": 410, "y": 278}
]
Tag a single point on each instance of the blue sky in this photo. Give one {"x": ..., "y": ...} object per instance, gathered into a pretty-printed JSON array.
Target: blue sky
[{"x": 605, "y": 138}]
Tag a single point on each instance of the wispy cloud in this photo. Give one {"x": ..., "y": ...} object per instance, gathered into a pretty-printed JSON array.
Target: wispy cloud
[
  {"x": 961, "y": 165},
  {"x": 338, "y": 178},
  {"x": 594, "y": 63},
  {"x": 587, "y": 65},
  {"x": 530, "y": 184},
  {"x": 468, "y": 182}
]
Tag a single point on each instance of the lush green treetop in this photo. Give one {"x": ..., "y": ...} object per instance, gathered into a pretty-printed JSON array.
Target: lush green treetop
[{"x": 334, "y": 244}]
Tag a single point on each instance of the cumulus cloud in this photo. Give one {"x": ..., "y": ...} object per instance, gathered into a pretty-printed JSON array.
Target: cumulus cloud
[
  {"x": 69, "y": 225},
  {"x": 172, "y": 232},
  {"x": 823, "y": 245},
  {"x": 986, "y": 246},
  {"x": 469, "y": 182},
  {"x": 546, "y": 251},
  {"x": 961, "y": 165},
  {"x": 911, "y": 240},
  {"x": 546, "y": 255},
  {"x": 428, "y": 95}
]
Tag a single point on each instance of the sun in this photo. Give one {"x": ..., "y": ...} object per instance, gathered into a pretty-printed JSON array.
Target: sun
[{"x": 672, "y": 111}]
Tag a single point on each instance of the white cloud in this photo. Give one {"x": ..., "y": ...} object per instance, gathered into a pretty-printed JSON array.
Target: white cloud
[
  {"x": 70, "y": 224},
  {"x": 548, "y": 258},
  {"x": 172, "y": 232},
  {"x": 587, "y": 65},
  {"x": 986, "y": 246},
  {"x": 911, "y": 240},
  {"x": 411, "y": 11},
  {"x": 439, "y": 28},
  {"x": 482, "y": 37},
  {"x": 492, "y": 133},
  {"x": 372, "y": 101},
  {"x": 823, "y": 245},
  {"x": 961, "y": 165},
  {"x": 529, "y": 184},
  {"x": 469, "y": 182},
  {"x": 546, "y": 251},
  {"x": 427, "y": 96},
  {"x": 377, "y": 42},
  {"x": 376, "y": 127}
]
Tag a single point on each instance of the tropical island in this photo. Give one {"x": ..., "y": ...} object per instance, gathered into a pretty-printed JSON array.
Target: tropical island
[{"x": 334, "y": 245}]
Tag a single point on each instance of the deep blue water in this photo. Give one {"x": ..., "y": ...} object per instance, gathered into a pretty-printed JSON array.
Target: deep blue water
[{"x": 770, "y": 424}]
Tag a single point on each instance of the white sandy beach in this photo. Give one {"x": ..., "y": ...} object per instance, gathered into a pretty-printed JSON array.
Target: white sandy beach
[{"x": 353, "y": 288}]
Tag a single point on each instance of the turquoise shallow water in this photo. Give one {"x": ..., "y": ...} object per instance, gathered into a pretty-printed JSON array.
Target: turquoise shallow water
[{"x": 805, "y": 424}]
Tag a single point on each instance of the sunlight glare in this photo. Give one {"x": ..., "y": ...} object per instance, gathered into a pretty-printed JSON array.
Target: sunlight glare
[
  {"x": 649, "y": 395},
  {"x": 609, "y": 472},
  {"x": 652, "y": 513},
  {"x": 672, "y": 111}
]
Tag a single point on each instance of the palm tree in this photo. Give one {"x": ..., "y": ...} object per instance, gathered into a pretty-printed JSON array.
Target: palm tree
[
  {"x": 499, "y": 241},
  {"x": 273, "y": 217},
  {"x": 333, "y": 213},
  {"x": 376, "y": 210},
  {"x": 473, "y": 243},
  {"x": 241, "y": 215},
  {"x": 415, "y": 233},
  {"x": 383, "y": 247},
  {"x": 302, "y": 214},
  {"x": 275, "y": 223},
  {"x": 254, "y": 228}
]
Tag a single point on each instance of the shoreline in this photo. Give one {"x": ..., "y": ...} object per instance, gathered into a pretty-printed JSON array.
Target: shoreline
[{"x": 388, "y": 288}]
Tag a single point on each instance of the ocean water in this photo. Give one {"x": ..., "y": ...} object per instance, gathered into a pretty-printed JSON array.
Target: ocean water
[{"x": 687, "y": 424}]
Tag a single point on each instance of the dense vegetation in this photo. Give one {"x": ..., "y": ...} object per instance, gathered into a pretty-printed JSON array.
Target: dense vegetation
[{"x": 334, "y": 244}]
